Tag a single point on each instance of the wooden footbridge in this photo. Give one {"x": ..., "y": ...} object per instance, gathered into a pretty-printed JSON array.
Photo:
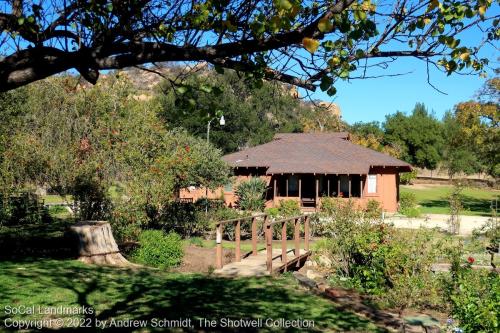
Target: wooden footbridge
[{"x": 267, "y": 260}]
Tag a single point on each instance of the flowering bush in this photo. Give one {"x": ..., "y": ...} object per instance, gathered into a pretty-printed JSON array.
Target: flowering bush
[{"x": 474, "y": 296}]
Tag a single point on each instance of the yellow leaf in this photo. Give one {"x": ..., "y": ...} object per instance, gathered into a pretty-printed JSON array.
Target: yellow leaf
[
  {"x": 427, "y": 20},
  {"x": 334, "y": 61},
  {"x": 482, "y": 10},
  {"x": 465, "y": 56},
  {"x": 310, "y": 44},
  {"x": 324, "y": 25},
  {"x": 284, "y": 4}
]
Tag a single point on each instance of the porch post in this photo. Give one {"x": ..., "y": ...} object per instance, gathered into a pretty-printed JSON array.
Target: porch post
[
  {"x": 349, "y": 176},
  {"x": 328, "y": 186},
  {"x": 360, "y": 186},
  {"x": 338, "y": 185},
  {"x": 287, "y": 186},
  {"x": 275, "y": 192},
  {"x": 316, "y": 185},
  {"x": 300, "y": 190}
]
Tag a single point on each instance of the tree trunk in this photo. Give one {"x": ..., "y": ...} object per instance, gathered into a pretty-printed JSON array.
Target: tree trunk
[{"x": 97, "y": 244}]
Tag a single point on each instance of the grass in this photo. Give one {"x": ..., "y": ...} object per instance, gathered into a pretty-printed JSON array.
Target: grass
[
  {"x": 56, "y": 199},
  {"x": 144, "y": 294},
  {"x": 246, "y": 245},
  {"x": 433, "y": 199}
]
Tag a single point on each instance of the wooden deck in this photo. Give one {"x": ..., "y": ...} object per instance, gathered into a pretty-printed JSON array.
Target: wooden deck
[{"x": 256, "y": 265}]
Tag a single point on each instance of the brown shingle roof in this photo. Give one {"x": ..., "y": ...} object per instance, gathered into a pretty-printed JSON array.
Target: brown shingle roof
[{"x": 322, "y": 153}]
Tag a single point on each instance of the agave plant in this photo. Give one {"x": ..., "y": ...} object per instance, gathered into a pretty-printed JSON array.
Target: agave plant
[{"x": 251, "y": 194}]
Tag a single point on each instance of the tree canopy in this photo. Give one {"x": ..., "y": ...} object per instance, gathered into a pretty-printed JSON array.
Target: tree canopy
[{"x": 305, "y": 43}]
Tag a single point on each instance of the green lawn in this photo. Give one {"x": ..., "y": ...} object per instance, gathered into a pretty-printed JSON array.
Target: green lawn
[
  {"x": 56, "y": 199},
  {"x": 144, "y": 294},
  {"x": 433, "y": 199}
]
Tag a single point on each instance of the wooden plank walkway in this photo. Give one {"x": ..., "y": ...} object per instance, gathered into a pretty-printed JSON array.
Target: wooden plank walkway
[{"x": 257, "y": 265}]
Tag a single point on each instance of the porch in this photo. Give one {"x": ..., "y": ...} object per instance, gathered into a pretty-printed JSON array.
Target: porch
[{"x": 308, "y": 189}]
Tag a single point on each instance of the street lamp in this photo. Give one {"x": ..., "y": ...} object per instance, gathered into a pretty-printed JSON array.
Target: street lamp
[{"x": 222, "y": 122}]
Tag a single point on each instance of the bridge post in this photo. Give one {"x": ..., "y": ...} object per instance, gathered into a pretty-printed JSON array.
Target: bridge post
[
  {"x": 254, "y": 234},
  {"x": 237, "y": 232},
  {"x": 296, "y": 235},
  {"x": 218, "y": 241},
  {"x": 284, "y": 247},
  {"x": 306, "y": 233},
  {"x": 269, "y": 247}
]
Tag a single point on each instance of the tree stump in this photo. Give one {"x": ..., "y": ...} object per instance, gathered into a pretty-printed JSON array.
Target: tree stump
[{"x": 97, "y": 244}]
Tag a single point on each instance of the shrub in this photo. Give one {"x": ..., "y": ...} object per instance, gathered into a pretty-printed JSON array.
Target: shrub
[
  {"x": 91, "y": 198},
  {"x": 158, "y": 249},
  {"x": 251, "y": 194},
  {"x": 373, "y": 210},
  {"x": 474, "y": 296},
  {"x": 22, "y": 208},
  {"x": 273, "y": 212},
  {"x": 407, "y": 178},
  {"x": 377, "y": 258},
  {"x": 289, "y": 208},
  {"x": 408, "y": 204},
  {"x": 196, "y": 241}
]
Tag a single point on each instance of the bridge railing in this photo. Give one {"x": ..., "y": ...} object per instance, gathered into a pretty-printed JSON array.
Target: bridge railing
[
  {"x": 237, "y": 232},
  {"x": 284, "y": 248}
]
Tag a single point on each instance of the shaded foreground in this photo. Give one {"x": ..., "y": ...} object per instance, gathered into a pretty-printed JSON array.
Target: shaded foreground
[{"x": 145, "y": 294}]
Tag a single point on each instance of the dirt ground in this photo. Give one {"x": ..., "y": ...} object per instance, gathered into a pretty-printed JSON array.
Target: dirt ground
[{"x": 201, "y": 260}]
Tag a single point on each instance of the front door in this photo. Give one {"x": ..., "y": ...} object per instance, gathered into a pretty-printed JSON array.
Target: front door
[{"x": 308, "y": 191}]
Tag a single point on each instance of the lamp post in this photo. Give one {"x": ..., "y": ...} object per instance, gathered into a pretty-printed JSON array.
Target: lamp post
[{"x": 222, "y": 122}]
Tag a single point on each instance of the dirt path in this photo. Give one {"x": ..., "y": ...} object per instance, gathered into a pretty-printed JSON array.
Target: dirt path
[
  {"x": 201, "y": 260},
  {"x": 467, "y": 223}
]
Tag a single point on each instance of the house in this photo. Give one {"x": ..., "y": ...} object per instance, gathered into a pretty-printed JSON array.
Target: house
[{"x": 307, "y": 167}]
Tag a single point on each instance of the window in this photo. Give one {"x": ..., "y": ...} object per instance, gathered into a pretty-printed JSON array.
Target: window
[
  {"x": 228, "y": 187},
  {"x": 372, "y": 183},
  {"x": 293, "y": 186}
]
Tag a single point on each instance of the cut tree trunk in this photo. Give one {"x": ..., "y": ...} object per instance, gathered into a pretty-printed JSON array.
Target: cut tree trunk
[{"x": 97, "y": 244}]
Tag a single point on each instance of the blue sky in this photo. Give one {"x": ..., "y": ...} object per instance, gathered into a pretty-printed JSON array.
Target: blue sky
[{"x": 373, "y": 99}]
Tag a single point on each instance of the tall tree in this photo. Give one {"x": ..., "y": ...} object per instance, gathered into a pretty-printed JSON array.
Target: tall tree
[
  {"x": 304, "y": 43},
  {"x": 419, "y": 135},
  {"x": 479, "y": 125},
  {"x": 459, "y": 152},
  {"x": 252, "y": 113}
]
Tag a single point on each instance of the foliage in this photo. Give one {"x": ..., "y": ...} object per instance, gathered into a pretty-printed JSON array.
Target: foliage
[
  {"x": 418, "y": 135},
  {"x": 474, "y": 295},
  {"x": 159, "y": 249},
  {"x": 406, "y": 178},
  {"x": 288, "y": 208},
  {"x": 85, "y": 141},
  {"x": 338, "y": 38},
  {"x": 408, "y": 204},
  {"x": 371, "y": 135},
  {"x": 377, "y": 258},
  {"x": 21, "y": 209},
  {"x": 252, "y": 113},
  {"x": 251, "y": 194},
  {"x": 373, "y": 210},
  {"x": 91, "y": 199}
]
